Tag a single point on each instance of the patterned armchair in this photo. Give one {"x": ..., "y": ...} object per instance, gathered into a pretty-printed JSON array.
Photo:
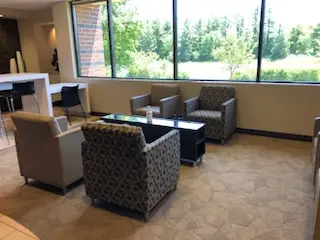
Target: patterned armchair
[
  {"x": 120, "y": 168},
  {"x": 315, "y": 148},
  {"x": 216, "y": 106},
  {"x": 316, "y": 211}
]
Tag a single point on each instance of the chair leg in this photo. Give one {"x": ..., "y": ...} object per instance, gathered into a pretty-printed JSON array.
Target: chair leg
[
  {"x": 84, "y": 115},
  {"x": 26, "y": 181},
  {"x": 35, "y": 98},
  {"x": 67, "y": 115},
  {"x": 12, "y": 105},
  {"x": 4, "y": 126},
  {"x": 64, "y": 190},
  {"x": 8, "y": 104}
]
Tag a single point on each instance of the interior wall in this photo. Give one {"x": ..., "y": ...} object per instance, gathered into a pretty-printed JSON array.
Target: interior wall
[
  {"x": 38, "y": 40},
  {"x": 283, "y": 108}
]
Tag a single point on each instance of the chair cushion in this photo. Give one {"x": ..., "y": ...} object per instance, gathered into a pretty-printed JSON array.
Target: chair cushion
[
  {"x": 159, "y": 91},
  {"x": 205, "y": 116},
  {"x": 142, "y": 111},
  {"x": 211, "y": 97}
]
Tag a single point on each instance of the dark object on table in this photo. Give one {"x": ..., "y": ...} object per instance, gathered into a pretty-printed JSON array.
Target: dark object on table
[
  {"x": 192, "y": 135},
  {"x": 216, "y": 106},
  {"x": 70, "y": 98},
  {"x": 121, "y": 168}
]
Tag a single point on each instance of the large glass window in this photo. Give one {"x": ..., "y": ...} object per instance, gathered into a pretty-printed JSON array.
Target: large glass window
[
  {"x": 199, "y": 40},
  {"x": 143, "y": 38},
  {"x": 92, "y": 39},
  {"x": 217, "y": 38},
  {"x": 291, "y": 46}
]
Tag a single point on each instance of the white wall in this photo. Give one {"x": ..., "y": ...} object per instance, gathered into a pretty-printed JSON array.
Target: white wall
[
  {"x": 37, "y": 39},
  {"x": 270, "y": 107}
]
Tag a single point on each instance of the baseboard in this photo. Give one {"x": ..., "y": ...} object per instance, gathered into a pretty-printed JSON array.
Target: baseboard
[
  {"x": 99, "y": 114},
  {"x": 289, "y": 136}
]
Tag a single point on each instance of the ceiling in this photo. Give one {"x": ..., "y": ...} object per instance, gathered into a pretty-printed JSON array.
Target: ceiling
[{"x": 27, "y": 5}]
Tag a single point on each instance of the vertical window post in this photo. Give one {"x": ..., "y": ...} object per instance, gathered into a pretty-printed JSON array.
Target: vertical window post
[
  {"x": 175, "y": 40},
  {"x": 260, "y": 48},
  {"x": 111, "y": 39}
]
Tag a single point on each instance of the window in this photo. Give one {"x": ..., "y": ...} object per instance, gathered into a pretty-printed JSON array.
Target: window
[
  {"x": 143, "y": 38},
  {"x": 198, "y": 40},
  {"x": 291, "y": 46},
  {"x": 217, "y": 38},
  {"x": 92, "y": 40}
]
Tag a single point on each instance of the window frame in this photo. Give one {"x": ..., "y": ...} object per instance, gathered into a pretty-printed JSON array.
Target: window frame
[{"x": 175, "y": 58}]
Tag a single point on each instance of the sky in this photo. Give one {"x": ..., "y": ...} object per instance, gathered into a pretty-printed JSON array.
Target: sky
[{"x": 288, "y": 13}]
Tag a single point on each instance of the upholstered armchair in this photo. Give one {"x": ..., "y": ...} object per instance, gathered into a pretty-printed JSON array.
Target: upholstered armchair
[
  {"x": 47, "y": 150},
  {"x": 122, "y": 169},
  {"x": 315, "y": 148},
  {"x": 216, "y": 106},
  {"x": 316, "y": 211},
  {"x": 163, "y": 101}
]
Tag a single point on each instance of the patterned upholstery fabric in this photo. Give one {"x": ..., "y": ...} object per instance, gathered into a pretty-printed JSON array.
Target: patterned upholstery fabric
[
  {"x": 120, "y": 168},
  {"x": 316, "y": 211},
  {"x": 216, "y": 106},
  {"x": 212, "y": 97}
]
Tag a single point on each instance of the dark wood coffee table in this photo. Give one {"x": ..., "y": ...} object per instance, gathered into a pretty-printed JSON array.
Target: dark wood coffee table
[{"x": 192, "y": 136}]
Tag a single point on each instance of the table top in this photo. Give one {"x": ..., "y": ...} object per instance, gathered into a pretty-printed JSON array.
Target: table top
[
  {"x": 22, "y": 77},
  {"x": 156, "y": 121}
]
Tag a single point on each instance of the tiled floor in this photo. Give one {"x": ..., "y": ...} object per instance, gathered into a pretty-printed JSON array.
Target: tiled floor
[
  {"x": 251, "y": 188},
  {"x": 11, "y": 230}
]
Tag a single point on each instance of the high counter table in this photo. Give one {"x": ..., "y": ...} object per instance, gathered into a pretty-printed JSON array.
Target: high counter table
[{"x": 41, "y": 82}]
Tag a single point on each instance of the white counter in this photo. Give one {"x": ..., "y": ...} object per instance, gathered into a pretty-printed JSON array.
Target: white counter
[{"x": 41, "y": 81}]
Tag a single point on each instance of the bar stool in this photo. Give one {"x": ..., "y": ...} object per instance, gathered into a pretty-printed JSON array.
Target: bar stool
[
  {"x": 19, "y": 90},
  {"x": 69, "y": 98},
  {"x": 4, "y": 126}
]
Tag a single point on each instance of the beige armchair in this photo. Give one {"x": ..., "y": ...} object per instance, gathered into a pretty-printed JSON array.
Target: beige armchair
[
  {"x": 163, "y": 101},
  {"x": 47, "y": 150}
]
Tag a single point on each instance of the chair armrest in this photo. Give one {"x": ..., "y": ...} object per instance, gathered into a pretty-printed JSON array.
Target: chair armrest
[
  {"x": 191, "y": 105},
  {"x": 228, "y": 111},
  {"x": 63, "y": 123},
  {"x": 316, "y": 126},
  {"x": 139, "y": 101},
  {"x": 69, "y": 144},
  {"x": 164, "y": 153},
  {"x": 168, "y": 106}
]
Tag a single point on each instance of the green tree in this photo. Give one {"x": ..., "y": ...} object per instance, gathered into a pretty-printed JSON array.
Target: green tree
[
  {"x": 147, "y": 41},
  {"x": 225, "y": 24},
  {"x": 234, "y": 52},
  {"x": 299, "y": 42},
  {"x": 209, "y": 42},
  {"x": 280, "y": 48},
  {"x": 269, "y": 34},
  {"x": 127, "y": 30},
  {"x": 315, "y": 40},
  {"x": 255, "y": 31},
  {"x": 240, "y": 26},
  {"x": 185, "y": 51}
]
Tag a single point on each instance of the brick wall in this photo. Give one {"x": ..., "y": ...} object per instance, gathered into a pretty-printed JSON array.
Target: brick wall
[{"x": 90, "y": 38}]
